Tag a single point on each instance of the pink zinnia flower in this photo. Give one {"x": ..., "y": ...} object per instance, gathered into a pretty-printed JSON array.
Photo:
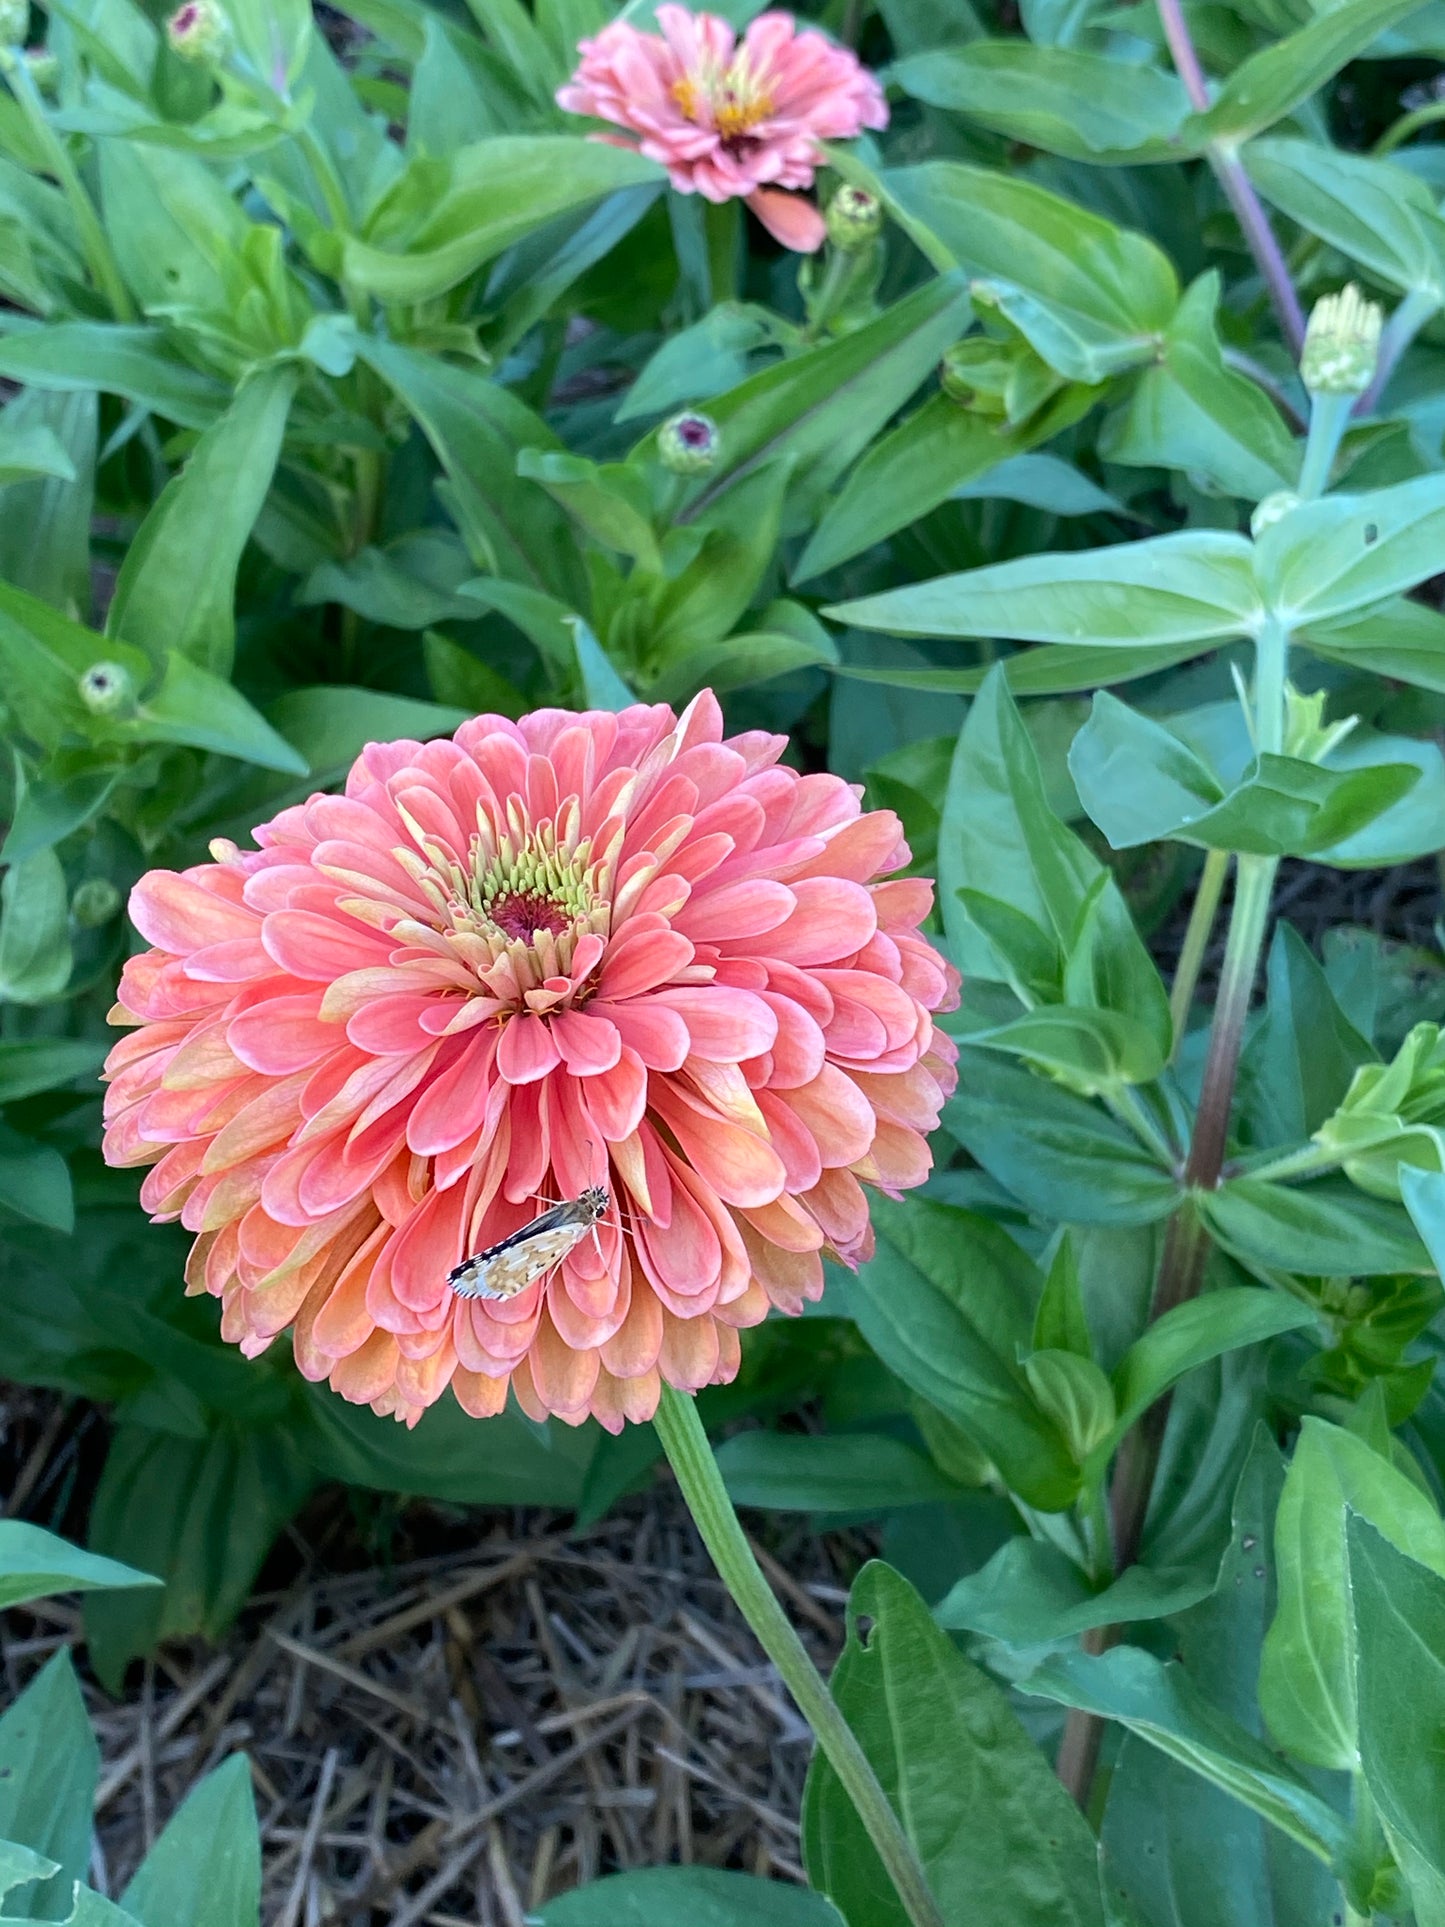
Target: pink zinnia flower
[
  {"x": 569, "y": 951},
  {"x": 730, "y": 120}
]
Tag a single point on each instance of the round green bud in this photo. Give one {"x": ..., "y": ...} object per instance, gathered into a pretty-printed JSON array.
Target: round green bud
[
  {"x": 688, "y": 443},
  {"x": 1274, "y": 508},
  {"x": 14, "y": 22},
  {"x": 1342, "y": 344},
  {"x": 853, "y": 219},
  {"x": 95, "y": 902},
  {"x": 106, "y": 689},
  {"x": 198, "y": 30}
]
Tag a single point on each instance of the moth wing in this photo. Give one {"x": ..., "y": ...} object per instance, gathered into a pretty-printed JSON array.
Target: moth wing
[{"x": 515, "y": 1263}]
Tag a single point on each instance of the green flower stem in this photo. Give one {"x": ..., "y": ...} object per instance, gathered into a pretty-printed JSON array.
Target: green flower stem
[
  {"x": 1407, "y": 127},
  {"x": 1329, "y": 418},
  {"x": 1196, "y": 941},
  {"x": 691, "y": 1458},
  {"x": 104, "y": 268},
  {"x": 837, "y": 278}
]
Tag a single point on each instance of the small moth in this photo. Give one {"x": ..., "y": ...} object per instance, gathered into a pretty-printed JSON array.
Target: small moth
[{"x": 510, "y": 1265}]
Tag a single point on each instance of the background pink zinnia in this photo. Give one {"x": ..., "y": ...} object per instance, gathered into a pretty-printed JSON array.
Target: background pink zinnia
[
  {"x": 730, "y": 119},
  {"x": 574, "y": 950}
]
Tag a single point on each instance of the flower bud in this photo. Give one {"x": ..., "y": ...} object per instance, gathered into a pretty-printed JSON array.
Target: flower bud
[
  {"x": 95, "y": 902},
  {"x": 198, "y": 30},
  {"x": 14, "y": 22},
  {"x": 106, "y": 689},
  {"x": 853, "y": 219},
  {"x": 1274, "y": 508},
  {"x": 688, "y": 443},
  {"x": 1341, "y": 344}
]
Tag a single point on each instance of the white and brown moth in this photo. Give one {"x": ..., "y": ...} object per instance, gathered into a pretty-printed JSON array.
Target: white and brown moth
[{"x": 514, "y": 1262}]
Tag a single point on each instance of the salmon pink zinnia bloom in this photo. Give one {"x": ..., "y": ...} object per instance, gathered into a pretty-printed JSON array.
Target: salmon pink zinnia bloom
[
  {"x": 569, "y": 951},
  {"x": 730, "y": 120}
]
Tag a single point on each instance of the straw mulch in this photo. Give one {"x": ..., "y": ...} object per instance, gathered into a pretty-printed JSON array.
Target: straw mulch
[{"x": 449, "y": 1740}]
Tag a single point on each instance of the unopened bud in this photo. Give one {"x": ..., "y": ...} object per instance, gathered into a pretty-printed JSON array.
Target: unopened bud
[
  {"x": 95, "y": 902},
  {"x": 853, "y": 219},
  {"x": 975, "y": 373},
  {"x": 1342, "y": 344},
  {"x": 14, "y": 22},
  {"x": 198, "y": 31},
  {"x": 106, "y": 689},
  {"x": 44, "y": 67},
  {"x": 1274, "y": 508},
  {"x": 688, "y": 444}
]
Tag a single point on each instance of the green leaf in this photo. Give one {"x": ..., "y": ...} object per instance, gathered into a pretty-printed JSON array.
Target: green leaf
[
  {"x": 1271, "y": 83},
  {"x": 1139, "y": 782},
  {"x": 201, "y": 710},
  {"x": 1376, "y": 212},
  {"x": 1344, "y": 552},
  {"x": 860, "y": 1472},
  {"x": 134, "y": 362},
  {"x": 699, "y": 362},
  {"x": 1403, "y": 640},
  {"x": 462, "y": 681},
  {"x": 1188, "y": 411},
  {"x": 45, "y": 524},
  {"x": 1299, "y": 1061},
  {"x": 947, "y": 1303},
  {"x": 34, "y": 1564},
  {"x": 787, "y": 637},
  {"x": 1161, "y": 1704},
  {"x": 1398, "y": 1629},
  {"x": 48, "y": 1766},
  {"x": 1189, "y": 1334},
  {"x": 205, "y": 1869},
  {"x": 1084, "y": 106},
  {"x": 331, "y": 724},
  {"x": 177, "y": 585},
  {"x": 701, "y": 1896},
  {"x": 29, "y": 453},
  {"x": 410, "y": 584},
  {"x": 1030, "y": 1594},
  {"x": 201, "y": 1512},
  {"x": 1307, "y": 1683},
  {"x": 611, "y": 503},
  {"x": 1001, "y": 1842},
  {"x": 1093, "y": 299},
  {"x": 1060, "y": 1155},
  {"x": 1181, "y": 1850},
  {"x": 933, "y": 455},
  {"x": 1025, "y": 902},
  {"x": 1049, "y": 670},
  {"x": 1194, "y": 587},
  {"x": 602, "y": 687},
  {"x": 175, "y": 230},
  {"x": 20, "y": 1865},
  {"x": 440, "y": 221},
  {"x": 35, "y": 1181},
  {"x": 35, "y": 954},
  {"x": 822, "y": 408},
  {"x": 478, "y": 429},
  {"x": 437, "y": 1459},
  {"x": 32, "y": 1064},
  {"x": 1326, "y": 1228}
]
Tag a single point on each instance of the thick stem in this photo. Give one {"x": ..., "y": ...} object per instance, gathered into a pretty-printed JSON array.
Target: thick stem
[
  {"x": 691, "y": 1458},
  {"x": 1186, "y": 1244},
  {"x": 1268, "y": 257},
  {"x": 1196, "y": 941}
]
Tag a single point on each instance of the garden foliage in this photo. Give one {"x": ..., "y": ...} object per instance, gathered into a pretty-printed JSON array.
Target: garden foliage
[{"x": 334, "y": 366}]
